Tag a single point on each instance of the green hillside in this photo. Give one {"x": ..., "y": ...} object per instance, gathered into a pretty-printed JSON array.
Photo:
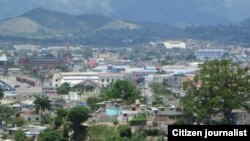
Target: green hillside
[
  {"x": 22, "y": 26},
  {"x": 57, "y": 21}
]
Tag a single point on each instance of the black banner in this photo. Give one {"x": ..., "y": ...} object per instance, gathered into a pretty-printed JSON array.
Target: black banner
[{"x": 208, "y": 132}]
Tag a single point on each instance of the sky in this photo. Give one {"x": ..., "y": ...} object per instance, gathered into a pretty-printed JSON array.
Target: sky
[{"x": 160, "y": 11}]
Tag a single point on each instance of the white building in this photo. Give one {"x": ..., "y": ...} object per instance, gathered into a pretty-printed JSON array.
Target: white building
[
  {"x": 3, "y": 59},
  {"x": 26, "y": 47},
  {"x": 73, "y": 78},
  {"x": 209, "y": 54},
  {"x": 97, "y": 79},
  {"x": 106, "y": 79},
  {"x": 174, "y": 44},
  {"x": 14, "y": 70},
  {"x": 156, "y": 78},
  {"x": 180, "y": 69}
]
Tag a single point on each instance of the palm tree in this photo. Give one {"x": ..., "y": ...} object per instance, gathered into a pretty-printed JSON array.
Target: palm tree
[
  {"x": 41, "y": 104},
  {"x": 80, "y": 89},
  {"x": 1, "y": 94}
]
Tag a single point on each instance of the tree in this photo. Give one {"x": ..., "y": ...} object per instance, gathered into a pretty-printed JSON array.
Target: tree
[
  {"x": 89, "y": 88},
  {"x": 61, "y": 121},
  {"x": 20, "y": 136},
  {"x": 51, "y": 135},
  {"x": 1, "y": 94},
  {"x": 219, "y": 87},
  {"x": 61, "y": 117},
  {"x": 125, "y": 90},
  {"x": 76, "y": 116},
  {"x": 160, "y": 89},
  {"x": 125, "y": 131},
  {"x": 63, "y": 89},
  {"x": 6, "y": 112},
  {"x": 41, "y": 104},
  {"x": 17, "y": 121},
  {"x": 92, "y": 101},
  {"x": 81, "y": 89}
]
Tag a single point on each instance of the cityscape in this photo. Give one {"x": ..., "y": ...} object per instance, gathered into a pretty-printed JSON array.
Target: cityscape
[{"x": 71, "y": 77}]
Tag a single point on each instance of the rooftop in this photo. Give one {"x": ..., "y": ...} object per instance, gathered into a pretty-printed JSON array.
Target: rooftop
[{"x": 173, "y": 42}]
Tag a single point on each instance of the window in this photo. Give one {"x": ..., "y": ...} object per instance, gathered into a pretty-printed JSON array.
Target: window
[
  {"x": 37, "y": 118},
  {"x": 112, "y": 80},
  {"x": 102, "y": 80},
  {"x": 29, "y": 119},
  {"x": 107, "y": 80}
]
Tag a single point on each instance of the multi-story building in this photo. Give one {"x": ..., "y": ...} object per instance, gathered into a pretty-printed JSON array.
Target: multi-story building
[
  {"x": 209, "y": 54},
  {"x": 106, "y": 56},
  {"x": 50, "y": 62},
  {"x": 107, "y": 79},
  {"x": 92, "y": 78},
  {"x": 74, "y": 78},
  {"x": 156, "y": 78}
]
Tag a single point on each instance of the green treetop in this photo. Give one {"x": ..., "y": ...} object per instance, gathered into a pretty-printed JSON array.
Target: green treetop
[{"x": 219, "y": 87}]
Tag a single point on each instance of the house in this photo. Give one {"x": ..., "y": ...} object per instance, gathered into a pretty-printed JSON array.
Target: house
[
  {"x": 48, "y": 90},
  {"x": 241, "y": 116},
  {"x": 91, "y": 63},
  {"x": 128, "y": 114},
  {"x": 31, "y": 117},
  {"x": 166, "y": 115}
]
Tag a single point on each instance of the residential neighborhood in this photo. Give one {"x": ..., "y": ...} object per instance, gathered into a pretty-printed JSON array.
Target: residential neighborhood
[{"x": 135, "y": 70}]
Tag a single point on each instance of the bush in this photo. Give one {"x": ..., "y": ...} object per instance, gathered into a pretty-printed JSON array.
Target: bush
[
  {"x": 17, "y": 121},
  {"x": 51, "y": 135},
  {"x": 101, "y": 133},
  {"x": 125, "y": 131},
  {"x": 139, "y": 136},
  {"x": 4, "y": 136},
  {"x": 151, "y": 132},
  {"x": 20, "y": 136},
  {"x": 115, "y": 122},
  {"x": 180, "y": 122},
  {"x": 138, "y": 120}
]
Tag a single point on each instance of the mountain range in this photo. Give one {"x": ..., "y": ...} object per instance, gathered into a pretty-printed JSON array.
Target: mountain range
[
  {"x": 176, "y": 12},
  {"x": 43, "y": 26},
  {"x": 46, "y": 22}
]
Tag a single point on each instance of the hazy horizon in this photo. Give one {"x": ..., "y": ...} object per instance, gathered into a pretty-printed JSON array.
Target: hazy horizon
[{"x": 192, "y": 12}]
